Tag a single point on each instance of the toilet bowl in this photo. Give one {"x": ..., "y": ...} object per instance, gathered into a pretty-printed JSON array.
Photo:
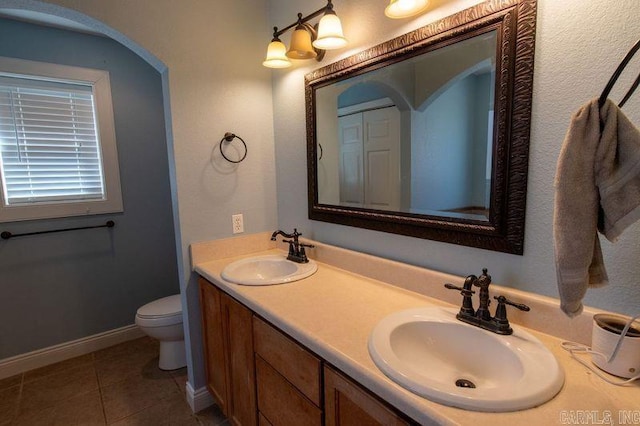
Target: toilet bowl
[{"x": 162, "y": 320}]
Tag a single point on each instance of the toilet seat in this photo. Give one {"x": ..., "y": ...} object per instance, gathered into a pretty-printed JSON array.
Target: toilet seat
[{"x": 160, "y": 313}]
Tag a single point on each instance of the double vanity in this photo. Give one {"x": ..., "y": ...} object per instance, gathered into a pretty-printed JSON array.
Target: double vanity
[{"x": 351, "y": 337}]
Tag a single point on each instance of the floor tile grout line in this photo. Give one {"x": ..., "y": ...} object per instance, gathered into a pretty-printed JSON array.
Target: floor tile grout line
[
  {"x": 95, "y": 371},
  {"x": 16, "y": 409},
  {"x": 92, "y": 362},
  {"x": 102, "y": 386},
  {"x": 159, "y": 402}
]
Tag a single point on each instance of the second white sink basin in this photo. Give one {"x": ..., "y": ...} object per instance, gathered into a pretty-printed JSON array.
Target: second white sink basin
[
  {"x": 267, "y": 270},
  {"x": 431, "y": 353}
]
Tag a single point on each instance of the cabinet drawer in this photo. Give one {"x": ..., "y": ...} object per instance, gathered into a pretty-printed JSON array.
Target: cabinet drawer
[
  {"x": 279, "y": 402},
  {"x": 346, "y": 403},
  {"x": 291, "y": 360}
]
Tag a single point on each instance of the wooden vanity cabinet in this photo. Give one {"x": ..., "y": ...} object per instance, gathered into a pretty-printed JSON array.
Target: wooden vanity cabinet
[
  {"x": 260, "y": 376},
  {"x": 228, "y": 348}
]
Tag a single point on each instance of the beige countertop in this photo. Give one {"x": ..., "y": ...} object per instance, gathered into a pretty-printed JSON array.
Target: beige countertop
[{"x": 333, "y": 312}]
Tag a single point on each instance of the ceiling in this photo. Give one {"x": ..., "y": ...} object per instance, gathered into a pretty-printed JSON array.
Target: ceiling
[{"x": 46, "y": 19}]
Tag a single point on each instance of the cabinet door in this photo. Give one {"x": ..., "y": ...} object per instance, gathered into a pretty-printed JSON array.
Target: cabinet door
[
  {"x": 243, "y": 408},
  {"x": 227, "y": 332},
  {"x": 347, "y": 404},
  {"x": 214, "y": 342}
]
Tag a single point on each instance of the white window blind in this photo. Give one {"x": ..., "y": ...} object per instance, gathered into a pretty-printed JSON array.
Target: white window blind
[
  {"x": 58, "y": 150},
  {"x": 49, "y": 147}
]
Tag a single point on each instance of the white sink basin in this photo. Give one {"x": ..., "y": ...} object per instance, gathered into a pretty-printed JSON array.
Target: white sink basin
[
  {"x": 431, "y": 353},
  {"x": 267, "y": 270}
]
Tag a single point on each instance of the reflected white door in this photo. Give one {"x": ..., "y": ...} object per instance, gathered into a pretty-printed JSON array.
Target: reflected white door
[
  {"x": 370, "y": 159},
  {"x": 351, "y": 163},
  {"x": 382, "y": 158}
]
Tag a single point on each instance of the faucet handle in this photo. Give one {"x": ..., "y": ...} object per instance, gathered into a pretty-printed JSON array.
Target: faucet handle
[
  {"x": 504, "y": 300},
  {"x": 466, "y": 310},
  {"x": 500, "y": 320},
  {"x": 463, "y": 291}
]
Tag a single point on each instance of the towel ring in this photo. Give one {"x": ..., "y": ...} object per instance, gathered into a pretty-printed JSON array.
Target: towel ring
[
  {"x": 616, "y": 74},
  {"x": 228, "y": 137}
]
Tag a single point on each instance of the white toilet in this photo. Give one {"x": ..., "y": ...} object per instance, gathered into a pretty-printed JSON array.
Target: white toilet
[{"x": 162, "y": 320}]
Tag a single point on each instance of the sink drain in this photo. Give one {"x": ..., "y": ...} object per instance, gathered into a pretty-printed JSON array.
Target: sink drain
[{"x": 464, "y": 383}]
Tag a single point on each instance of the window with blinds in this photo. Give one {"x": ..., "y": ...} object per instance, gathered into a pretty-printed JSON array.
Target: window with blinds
[
  {"x": 48, "y": 142},
  {"x": 57, "y": 142}
]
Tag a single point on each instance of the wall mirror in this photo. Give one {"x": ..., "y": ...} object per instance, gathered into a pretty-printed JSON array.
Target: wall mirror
[{"x": 427, "y": 134}]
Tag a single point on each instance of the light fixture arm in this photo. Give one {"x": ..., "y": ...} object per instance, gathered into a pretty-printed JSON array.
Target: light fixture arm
[
  {"x": 307, "y": 41},
  {"x": 302, "y": 20},
  {"x": 275, "y": 34}
]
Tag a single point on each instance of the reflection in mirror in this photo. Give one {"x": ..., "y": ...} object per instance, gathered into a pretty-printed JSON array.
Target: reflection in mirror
[
  {"x": 415, "y": 136},
  {"x": 427, "y": 134}
]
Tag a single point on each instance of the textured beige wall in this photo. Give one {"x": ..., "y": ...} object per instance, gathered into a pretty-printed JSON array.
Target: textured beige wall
[{"x": 213, "y": 52}]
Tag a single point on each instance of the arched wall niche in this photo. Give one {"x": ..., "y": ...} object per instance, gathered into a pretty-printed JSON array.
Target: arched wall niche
[
  {"x": 57, "y": 16},
  {"x": 38, "y": 12}
]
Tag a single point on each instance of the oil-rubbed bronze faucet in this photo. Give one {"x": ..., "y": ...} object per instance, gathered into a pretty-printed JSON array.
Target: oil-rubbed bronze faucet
[
  {"x": 482, "y": 317},
  {"x": 297, "y": 251}
]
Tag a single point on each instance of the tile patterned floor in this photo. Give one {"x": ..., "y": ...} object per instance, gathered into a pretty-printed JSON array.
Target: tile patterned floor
[{"x": 121, "y": 385}]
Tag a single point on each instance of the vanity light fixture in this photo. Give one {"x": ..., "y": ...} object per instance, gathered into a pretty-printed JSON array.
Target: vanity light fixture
[
  {"x": 301, "y": 47},
  {"x": 399, "y": 9},
  {"x": 307, "y": 41},
  {"x": 276, "y": 54},
  {"x": 330, "y": 35}
]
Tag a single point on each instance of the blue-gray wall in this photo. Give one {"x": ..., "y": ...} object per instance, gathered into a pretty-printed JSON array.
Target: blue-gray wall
[
  {"x": 441, "y": 164},
  {"x": 482, "y": 103},
  {"x": 59, "y": 287}
]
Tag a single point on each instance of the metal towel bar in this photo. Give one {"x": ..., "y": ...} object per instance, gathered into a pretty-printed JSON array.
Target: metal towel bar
[{"x": 6, "y": 234}]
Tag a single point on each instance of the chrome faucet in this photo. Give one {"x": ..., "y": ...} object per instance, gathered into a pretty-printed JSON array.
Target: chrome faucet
[
  {"x": 482, "y": 317},
  {"x": 297, "y": 251}
]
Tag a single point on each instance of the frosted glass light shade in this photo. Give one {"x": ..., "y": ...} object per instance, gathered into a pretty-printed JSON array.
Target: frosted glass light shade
[
  {"x": 300, "y": 47},
  {"x": 330, "y": 34},
  {"x": 276, "y": 55},
  {"x": 398, "y": 9}
]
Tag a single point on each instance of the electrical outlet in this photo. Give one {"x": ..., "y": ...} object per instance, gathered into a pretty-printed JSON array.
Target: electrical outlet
[{"x": 238, "y": 223}]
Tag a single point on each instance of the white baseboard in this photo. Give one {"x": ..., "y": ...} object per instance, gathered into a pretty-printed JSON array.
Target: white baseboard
[
  {"x": 42, "y": 357},
  {"x": 198, "y": 399}
]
